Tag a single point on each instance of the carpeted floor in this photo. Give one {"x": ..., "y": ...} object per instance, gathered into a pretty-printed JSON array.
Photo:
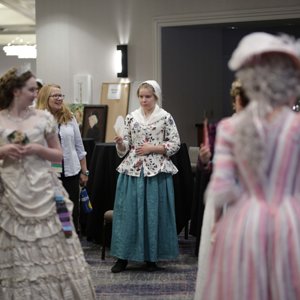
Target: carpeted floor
[{"x": 175, "y": 280}]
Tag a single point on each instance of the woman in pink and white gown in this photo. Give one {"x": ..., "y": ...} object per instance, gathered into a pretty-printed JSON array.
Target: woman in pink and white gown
[{"x": 256, "y": 250}]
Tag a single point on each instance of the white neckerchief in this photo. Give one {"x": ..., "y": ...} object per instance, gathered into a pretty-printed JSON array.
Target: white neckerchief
[{"x": 157, "y": 114}]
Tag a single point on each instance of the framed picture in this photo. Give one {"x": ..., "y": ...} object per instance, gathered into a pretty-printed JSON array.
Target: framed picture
[{"x": 94, "y": 122}]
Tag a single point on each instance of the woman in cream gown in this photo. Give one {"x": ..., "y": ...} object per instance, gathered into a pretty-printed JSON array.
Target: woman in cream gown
[{"x": 40, "y": 254}]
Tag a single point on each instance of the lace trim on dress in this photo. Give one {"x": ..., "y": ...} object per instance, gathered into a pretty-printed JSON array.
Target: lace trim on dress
[
  {"x": 44, "y": 257},
  {"x": 46, "y": 267},
  {"x": 28, "y": 229},
  {"x": 51, "y": 288}
]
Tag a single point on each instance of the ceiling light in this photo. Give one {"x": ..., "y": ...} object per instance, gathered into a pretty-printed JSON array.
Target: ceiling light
[{"x": 20, "y": 49}]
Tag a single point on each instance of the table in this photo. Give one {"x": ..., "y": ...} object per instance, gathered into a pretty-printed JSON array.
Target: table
[
  {"x": 102, "y": 187},
  {"x": 202, "y": 178},
  {"x": 89, "y": 145},
  {"x": 183, "y": 187}
]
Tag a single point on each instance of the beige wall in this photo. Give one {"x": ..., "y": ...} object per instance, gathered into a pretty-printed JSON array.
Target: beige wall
[
  {"x": 76, "y": 36},
  {"x": 79, "y": 37}
]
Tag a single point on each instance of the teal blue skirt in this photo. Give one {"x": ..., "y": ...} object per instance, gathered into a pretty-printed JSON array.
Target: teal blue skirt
[{"x": 144, "y": 226}]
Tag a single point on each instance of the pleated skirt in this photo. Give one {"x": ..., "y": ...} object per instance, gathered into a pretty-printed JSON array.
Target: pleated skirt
[{"x": 144, "y": 225}]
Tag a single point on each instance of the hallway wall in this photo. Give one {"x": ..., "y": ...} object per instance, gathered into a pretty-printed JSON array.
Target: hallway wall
[{"x": 80, "y": 37}]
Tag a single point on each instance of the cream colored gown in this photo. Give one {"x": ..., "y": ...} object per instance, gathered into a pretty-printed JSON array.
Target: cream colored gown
[{"x": 36, "y": 260}]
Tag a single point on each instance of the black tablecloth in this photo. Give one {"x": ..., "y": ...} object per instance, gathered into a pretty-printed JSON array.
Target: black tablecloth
[
  {"x": 89, "y": 145},
  {"x": 183, "y": 187},
  {"x": 102, "y": 187},
  {"x": 201, "y": 181}
]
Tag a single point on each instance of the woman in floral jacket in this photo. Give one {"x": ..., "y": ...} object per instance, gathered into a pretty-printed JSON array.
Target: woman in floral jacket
[{"x": 144, "y": 227}]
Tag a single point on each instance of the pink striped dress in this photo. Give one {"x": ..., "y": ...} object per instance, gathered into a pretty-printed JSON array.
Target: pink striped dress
[{"x": 256, "y": 252}]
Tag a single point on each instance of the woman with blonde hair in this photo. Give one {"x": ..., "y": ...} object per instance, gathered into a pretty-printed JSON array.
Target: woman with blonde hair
[
  {"x": 144, "y": 225},
  {"x": 74, "y": 168}
]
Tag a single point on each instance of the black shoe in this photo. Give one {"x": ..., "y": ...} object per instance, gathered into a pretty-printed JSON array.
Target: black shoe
[
  {"x": 119, "y": 266},
  {"x": 151, "y": 266}
]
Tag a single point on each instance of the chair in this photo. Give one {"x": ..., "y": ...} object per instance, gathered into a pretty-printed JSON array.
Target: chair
[
  {"x": 193, "y": 154},
  {"x": 107, "y": 218}
]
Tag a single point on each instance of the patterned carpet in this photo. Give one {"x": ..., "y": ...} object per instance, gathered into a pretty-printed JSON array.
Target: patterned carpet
[{"x": 174, "y": 280}]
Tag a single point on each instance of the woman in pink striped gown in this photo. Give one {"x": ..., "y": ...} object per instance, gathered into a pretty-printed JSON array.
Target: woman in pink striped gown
[{"x": 255, "y": 253}]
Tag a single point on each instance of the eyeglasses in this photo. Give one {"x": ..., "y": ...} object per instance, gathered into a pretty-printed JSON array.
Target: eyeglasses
[{"x": 56, "y": 96}]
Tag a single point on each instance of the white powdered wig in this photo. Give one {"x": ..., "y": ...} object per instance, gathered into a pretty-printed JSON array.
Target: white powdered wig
[{"x": 270, "y": 75}]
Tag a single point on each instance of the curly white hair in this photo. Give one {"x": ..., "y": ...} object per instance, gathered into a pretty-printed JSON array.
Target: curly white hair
[{"x": 271, "y": 80}]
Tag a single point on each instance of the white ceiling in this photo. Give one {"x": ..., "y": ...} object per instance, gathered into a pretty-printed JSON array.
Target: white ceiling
[{"x": 17, "y": 19}]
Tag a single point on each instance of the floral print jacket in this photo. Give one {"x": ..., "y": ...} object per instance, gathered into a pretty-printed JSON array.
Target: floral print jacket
[{"x": 158, "y": 129}]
